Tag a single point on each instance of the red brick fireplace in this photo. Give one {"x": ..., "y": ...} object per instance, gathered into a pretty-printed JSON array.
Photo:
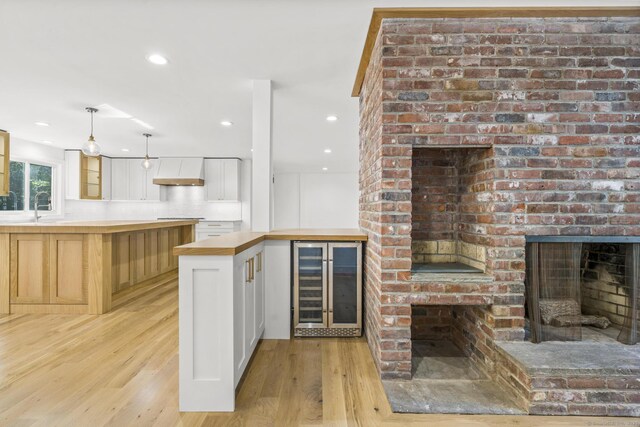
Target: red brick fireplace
[{"x": 476, "y": 133}]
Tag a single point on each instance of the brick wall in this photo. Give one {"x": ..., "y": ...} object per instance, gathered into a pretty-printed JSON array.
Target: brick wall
[
  {"x": 557, "y": 106},
  {"x": 370, "y": 200},
  {"x": 431, "y": 322}
]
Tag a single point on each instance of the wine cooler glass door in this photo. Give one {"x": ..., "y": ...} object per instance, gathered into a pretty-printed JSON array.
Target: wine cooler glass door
[
  {"x": 310, "y": 290},
  {"x": 345, "y": 276}
]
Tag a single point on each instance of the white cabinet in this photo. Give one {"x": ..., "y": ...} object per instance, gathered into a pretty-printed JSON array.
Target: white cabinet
[
  {"x": 222, "y": 179},
  {"x": 208, "y": 229},
  {"x": 120, "y": 179},
  {"x": 106, "y": 178},
  {"x": 153, "y": 191},
  {"x": 222, "y": 319},
  {"x": 137, "y": 180},
  {"x": 129, "y": 181},
  {"x": 249, "y": 304},
  {"x": 259, "y": 298}
]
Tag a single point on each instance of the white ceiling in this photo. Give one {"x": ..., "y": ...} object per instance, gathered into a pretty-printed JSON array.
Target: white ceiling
[{"x": 57, "y": 57}]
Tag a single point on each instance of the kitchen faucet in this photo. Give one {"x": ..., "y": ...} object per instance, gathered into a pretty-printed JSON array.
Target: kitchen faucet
[{"x": 35, "y": 204}]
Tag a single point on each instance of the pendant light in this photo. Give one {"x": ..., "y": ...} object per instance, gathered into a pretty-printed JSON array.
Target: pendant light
[
  {"x": 91, "y": 147},
  {"x": 146, "y": 163}
]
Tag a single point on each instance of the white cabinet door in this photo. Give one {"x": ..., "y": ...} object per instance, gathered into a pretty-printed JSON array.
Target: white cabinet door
[
  {"x": 120, "y": 179},
  {"x": 72, "y": 169},
  {"x": 231, "y": 179},
  {"x": 259, "y": 294},
  {"x": 137, "y": 180},
  {"x": 240, "y": 274},
  {"x": 222, "y": 179},
  {"x": 249, "y": 307},
  {"x": 106, "y": 178},
  {"x": 213, "y": 176},
  {"x": 152, "y": 191}
]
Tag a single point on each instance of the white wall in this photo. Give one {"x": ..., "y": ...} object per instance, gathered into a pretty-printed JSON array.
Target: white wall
[{"x": 316, "y": 200}]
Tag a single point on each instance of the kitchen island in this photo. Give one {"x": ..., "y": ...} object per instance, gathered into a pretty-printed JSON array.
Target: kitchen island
[
  {"x": 74, "y": 267},
  {"x": 234, "y": 291}
]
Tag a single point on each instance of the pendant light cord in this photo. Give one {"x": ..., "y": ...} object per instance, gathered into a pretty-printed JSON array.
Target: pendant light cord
[
  {"x": 91, "y": 110},
  {"x": 147, "y": 135}
]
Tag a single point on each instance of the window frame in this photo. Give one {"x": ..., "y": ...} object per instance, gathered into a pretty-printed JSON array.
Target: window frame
[{"x": 56, "y": 196}]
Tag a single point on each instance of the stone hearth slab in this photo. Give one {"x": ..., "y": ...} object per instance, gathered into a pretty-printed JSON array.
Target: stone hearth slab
[
  {"x": 444, "y": 267},
  {"x": 449, "y": 397},
  {"x": 574, "y": 358},
  {"x": 445, "y": 381},
  {"x": 441, "y": 360}
]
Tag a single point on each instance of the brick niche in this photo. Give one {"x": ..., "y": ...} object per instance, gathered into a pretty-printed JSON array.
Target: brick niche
[{"x": 524, "y": 127}]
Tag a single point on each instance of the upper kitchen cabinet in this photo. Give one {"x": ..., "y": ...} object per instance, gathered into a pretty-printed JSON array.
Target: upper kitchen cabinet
[
  {"x": 129, "y": 181},
  {"x": 222, "y": 179},
  {"x": 4, "y": 163},
  {"x": 90, "y": 177},
  {"x": 85, "y": 177},
  {"x": 120, "y": 179}
]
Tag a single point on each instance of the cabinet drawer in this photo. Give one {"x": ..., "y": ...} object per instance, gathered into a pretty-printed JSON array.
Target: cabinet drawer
[
  {"x": 202, "y": 235},
  {"x": 215, "y": 224}
]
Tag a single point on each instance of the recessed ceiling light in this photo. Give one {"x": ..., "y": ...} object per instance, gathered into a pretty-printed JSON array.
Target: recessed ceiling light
[
  {"x": 47, "y": 142},
  {"x": 42, "y": 124},
  {"x": 226, "y": 123},
  {"x": 252, "y": 150},
  {"x": 126, "y": 150},
  {"x": 325, "y": 169},
  {"x": 332, "y": 118},
  {"x": 157, "y": 59},
  {"x": 327, "y": 150}
]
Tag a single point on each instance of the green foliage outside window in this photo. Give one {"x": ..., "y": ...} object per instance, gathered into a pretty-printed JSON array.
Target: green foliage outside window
[{"x": 40, "y": 179}]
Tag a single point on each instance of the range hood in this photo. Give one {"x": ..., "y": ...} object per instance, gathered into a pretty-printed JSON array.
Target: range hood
[{"x": 180, "y": 171}]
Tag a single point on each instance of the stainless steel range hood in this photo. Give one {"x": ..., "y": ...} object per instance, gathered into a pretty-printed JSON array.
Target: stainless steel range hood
[{"x": 180, "y": 171}]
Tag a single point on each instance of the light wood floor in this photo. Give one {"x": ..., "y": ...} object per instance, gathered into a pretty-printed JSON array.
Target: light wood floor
[{"x": 121, "y": 369}]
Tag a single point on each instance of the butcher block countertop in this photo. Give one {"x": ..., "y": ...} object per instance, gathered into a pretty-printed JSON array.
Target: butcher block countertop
[
  {"x": 91, "y": 227},
  {"x": 234, "y": 243}
]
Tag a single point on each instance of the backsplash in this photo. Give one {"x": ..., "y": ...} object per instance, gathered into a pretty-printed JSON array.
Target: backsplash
[{"x": 181, "y": 202}]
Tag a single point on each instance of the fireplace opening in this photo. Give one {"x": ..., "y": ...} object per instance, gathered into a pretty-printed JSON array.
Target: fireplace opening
[
  {"x": 446, "y": 378},
  {"x": 584, "y": 290},
  {"x": 439, "y": 345},
  {"x": 450, "y": 188}
]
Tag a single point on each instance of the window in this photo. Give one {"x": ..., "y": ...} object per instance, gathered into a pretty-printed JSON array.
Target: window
[{"x": 39, "y": 182}]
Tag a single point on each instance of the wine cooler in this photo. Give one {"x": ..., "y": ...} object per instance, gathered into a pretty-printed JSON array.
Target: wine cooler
[{"x": 327, "y": 298}]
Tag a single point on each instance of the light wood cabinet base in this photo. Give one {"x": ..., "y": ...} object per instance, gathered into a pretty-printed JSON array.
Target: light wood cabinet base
[{"x": 74, "y": 273}]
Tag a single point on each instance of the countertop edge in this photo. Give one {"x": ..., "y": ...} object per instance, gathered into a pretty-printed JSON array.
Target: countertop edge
[
  {"x": 80, "y": 228},
  {"x": 235, "y": 249}
]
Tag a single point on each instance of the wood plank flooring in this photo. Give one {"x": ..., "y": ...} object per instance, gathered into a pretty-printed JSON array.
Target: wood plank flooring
[{"x": 121, "y": 369}]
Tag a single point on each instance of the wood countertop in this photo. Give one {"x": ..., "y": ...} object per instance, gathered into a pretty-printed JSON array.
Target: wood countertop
[
  {"x": 91, "y": 227},
  {"x": 234, "y": 243}
]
